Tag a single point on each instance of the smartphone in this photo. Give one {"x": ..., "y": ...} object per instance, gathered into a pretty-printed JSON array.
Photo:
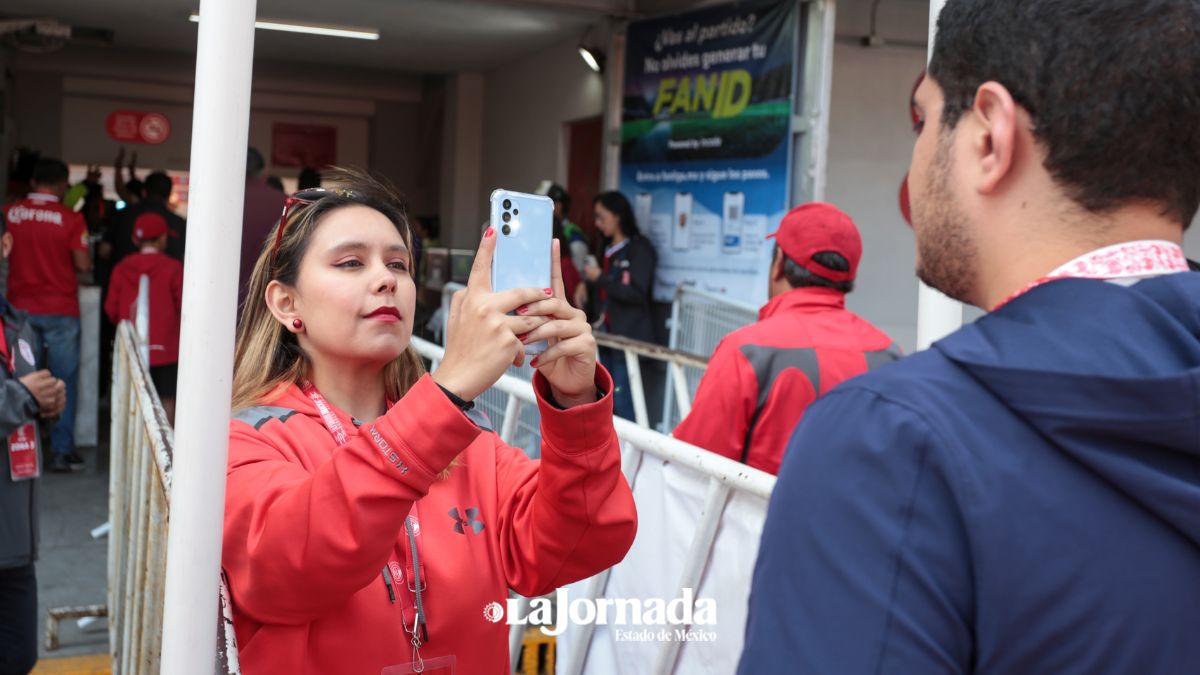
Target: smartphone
[
  {"x": 643, "y": 207},
  {"x": 524, "y": 226},
  {"x": 731, "y": 222},
  {"x": 681, "y": 226}
]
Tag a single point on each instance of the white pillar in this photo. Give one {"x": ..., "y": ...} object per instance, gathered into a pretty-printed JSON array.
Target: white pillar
[
  {"x": 220, "y": 125},
  {"x": 937, "y": 315}
]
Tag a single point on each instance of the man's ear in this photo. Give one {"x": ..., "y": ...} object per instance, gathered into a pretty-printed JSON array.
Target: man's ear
[
  {"x": 281, "y": 302},
  {"x": 995, "y": 136},
  {"x": 6, "y": 244},
  {"x": 777, "y": 264}
]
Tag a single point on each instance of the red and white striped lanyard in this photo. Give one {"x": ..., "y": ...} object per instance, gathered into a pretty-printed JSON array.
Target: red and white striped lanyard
[
  {"x": 419, "y": 632},
  {"x": 1129, "y": 260}
]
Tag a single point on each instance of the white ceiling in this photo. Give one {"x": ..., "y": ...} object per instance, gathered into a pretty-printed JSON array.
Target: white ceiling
[{"x": 418, "y": 36}]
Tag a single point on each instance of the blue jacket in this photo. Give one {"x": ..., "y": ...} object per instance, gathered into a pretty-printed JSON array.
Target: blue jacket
[{"x": 1021, "y": 499}]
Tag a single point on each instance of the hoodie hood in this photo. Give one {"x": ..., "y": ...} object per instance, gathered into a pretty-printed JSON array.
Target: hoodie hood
[{"x": 1109, "y": 375}]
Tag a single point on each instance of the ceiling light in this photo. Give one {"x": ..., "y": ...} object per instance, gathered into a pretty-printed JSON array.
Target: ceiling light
[
  {"x": 309, "y": 28},
  {"x": 594, "y": 59}
]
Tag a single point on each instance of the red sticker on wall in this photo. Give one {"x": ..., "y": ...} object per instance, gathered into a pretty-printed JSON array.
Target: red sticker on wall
[{"x": 136, "y": 126}]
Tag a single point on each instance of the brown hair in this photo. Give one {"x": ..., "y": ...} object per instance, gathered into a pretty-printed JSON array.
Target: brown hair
[{"x": 267, "y": 356}]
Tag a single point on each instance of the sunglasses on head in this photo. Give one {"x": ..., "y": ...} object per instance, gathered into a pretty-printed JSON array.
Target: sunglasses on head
[{"x": 303, "y": 198}]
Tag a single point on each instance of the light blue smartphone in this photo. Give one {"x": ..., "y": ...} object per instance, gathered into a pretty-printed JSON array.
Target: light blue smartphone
[{"x": 524, "y": 226}]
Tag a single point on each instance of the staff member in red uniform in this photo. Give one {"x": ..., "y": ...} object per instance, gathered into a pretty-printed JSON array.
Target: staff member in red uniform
[
  {"x": 150, "y": 234},
  {"x": 369, "y": 521},
  {"x": 51, "y": 244},
  {"x": 762, "y": 377}
]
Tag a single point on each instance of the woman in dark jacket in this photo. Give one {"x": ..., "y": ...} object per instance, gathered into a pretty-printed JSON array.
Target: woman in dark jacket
[{"x": 624, "y": 283}]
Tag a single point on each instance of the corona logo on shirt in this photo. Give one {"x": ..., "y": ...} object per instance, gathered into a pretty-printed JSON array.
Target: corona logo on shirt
[
  {"x": 673, "y": 621},
  {"x": 21, "y": 214}
]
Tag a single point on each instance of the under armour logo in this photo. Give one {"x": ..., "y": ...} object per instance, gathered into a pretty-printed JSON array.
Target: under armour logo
[{"x": 472, "y": 520}]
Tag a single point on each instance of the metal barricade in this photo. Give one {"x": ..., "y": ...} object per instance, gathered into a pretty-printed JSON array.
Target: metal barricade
[
  {"x": 684, "y": 366},
  {"x": 138, "y": 503},
  {"x": 724, "y": 477},
  {"x": 139, "y": 500}
]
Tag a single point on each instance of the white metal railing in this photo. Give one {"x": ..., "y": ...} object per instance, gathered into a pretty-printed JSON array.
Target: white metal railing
[
  {"x": 684, "y": 367},
  {"x": 724, "y": 477},
  {"x": 138, "y": 502}
]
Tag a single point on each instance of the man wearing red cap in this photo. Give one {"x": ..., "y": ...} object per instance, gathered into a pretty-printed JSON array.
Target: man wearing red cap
[
  {"x": 150, "y": 233},
  {"x": 762, "y": 377}
]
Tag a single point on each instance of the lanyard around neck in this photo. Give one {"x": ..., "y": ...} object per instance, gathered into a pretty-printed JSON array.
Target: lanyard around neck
[
  {"x": 1131, "y": 259},
  {"x": 419, "y": 631}
]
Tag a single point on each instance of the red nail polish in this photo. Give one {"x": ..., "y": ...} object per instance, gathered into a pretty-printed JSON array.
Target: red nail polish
[
  {"x": 547, "y": 291},
  {"x": 488, "y": 233},
  {"x": 533, "y": 363},
  {"x": 522, "y": 309},
  {"x": 523, "y": 337}
]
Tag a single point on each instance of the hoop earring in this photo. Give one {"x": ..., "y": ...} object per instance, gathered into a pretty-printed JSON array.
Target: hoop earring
[{"x": 297, "y": 324}]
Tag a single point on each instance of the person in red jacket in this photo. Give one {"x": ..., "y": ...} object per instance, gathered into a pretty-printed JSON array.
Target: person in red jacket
[
  {"x": 370, "y": 520},
  {"x": 150, "y": 234},
  {"x": 761, "y": 377}
]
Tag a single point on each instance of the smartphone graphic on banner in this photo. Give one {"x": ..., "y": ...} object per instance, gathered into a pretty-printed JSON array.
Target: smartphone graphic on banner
[
  {"x": 642, "y": 208},
  {"x": 523, "y": 226},
  {"x": 731, "y": 222},
  {"x": 681, "y": 226}
]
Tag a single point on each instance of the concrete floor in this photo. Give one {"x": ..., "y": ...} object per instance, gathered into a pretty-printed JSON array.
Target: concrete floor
[{"x": 72, "y": 567}]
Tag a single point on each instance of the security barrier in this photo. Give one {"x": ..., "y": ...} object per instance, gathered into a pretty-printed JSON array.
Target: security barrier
[
  {"x": 138, "y": 502},
  {"x": 697, "y": 475}
]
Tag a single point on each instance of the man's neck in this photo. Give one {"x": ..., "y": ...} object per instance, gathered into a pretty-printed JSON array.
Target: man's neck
[
  {"x": 356, "y": 390},
  {"x": 1051, "y": 246}
]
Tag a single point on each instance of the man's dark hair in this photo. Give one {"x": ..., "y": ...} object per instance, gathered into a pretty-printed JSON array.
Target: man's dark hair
[
  {"x": 158, "y": 186},
  {"x": 800, "y": 277},
  {"x": 309, "y": 178},
  {"x": 1113, "y": 87},
  {"x": 254, "y": 162},
  {"x": 49, "y": 171},
  {"x": 559, "y": 194}
]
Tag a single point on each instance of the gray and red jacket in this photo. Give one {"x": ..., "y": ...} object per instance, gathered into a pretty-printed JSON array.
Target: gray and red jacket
[{"x": 762, "y": 377}]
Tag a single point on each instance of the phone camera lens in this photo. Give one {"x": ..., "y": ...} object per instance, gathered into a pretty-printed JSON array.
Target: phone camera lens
[
  {"x": 515, "y": 212},
  {"x": 507, "y": 204},
  {"x": 506, "y": 217},
  {"x": 507, "y": 230}
]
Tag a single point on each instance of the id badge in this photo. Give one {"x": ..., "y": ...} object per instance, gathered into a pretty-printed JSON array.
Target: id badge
[
  {"x": 442, "y": 665},
  {"x": 24, "y": 455}
]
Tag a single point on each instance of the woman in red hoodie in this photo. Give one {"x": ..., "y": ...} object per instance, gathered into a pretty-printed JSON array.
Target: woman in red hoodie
[{"x": 369, "y": 521}]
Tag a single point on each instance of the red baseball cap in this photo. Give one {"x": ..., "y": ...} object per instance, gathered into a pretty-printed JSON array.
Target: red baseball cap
[
  {"x": 149, "y": 226},
  {"x": 815, "y": 227}
]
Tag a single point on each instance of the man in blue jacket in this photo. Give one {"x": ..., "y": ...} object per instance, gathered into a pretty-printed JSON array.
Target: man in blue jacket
[{"x": 1024, "y": 497}]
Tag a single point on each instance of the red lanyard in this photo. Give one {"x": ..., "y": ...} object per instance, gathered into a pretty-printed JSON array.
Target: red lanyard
[
  {"x": 1130, "y": 259},
  {"x": 417, "y": 582},
  {"x": 9, "y": 361}
]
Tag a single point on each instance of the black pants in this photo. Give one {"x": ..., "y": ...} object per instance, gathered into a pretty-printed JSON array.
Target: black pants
[{"x": 18, "y": 620}]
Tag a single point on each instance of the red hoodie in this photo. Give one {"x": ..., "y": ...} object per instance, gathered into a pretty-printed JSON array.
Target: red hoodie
[
  {"x": 166, "y": 300},
  {"x": 310, "y": 527}
]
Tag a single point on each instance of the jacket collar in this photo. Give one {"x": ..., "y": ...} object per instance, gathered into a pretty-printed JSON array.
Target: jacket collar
[{"x": 808, "y": 297}]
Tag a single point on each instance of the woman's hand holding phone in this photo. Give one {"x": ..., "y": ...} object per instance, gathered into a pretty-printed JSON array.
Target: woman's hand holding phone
[
  {"x": 569, "y": 364},
  {"x": 481, "y": 335}
]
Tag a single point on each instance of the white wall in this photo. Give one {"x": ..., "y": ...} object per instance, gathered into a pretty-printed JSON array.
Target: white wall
[
  {"x": 870, "y": 147},
  {"x": 525, "y": 106}
]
